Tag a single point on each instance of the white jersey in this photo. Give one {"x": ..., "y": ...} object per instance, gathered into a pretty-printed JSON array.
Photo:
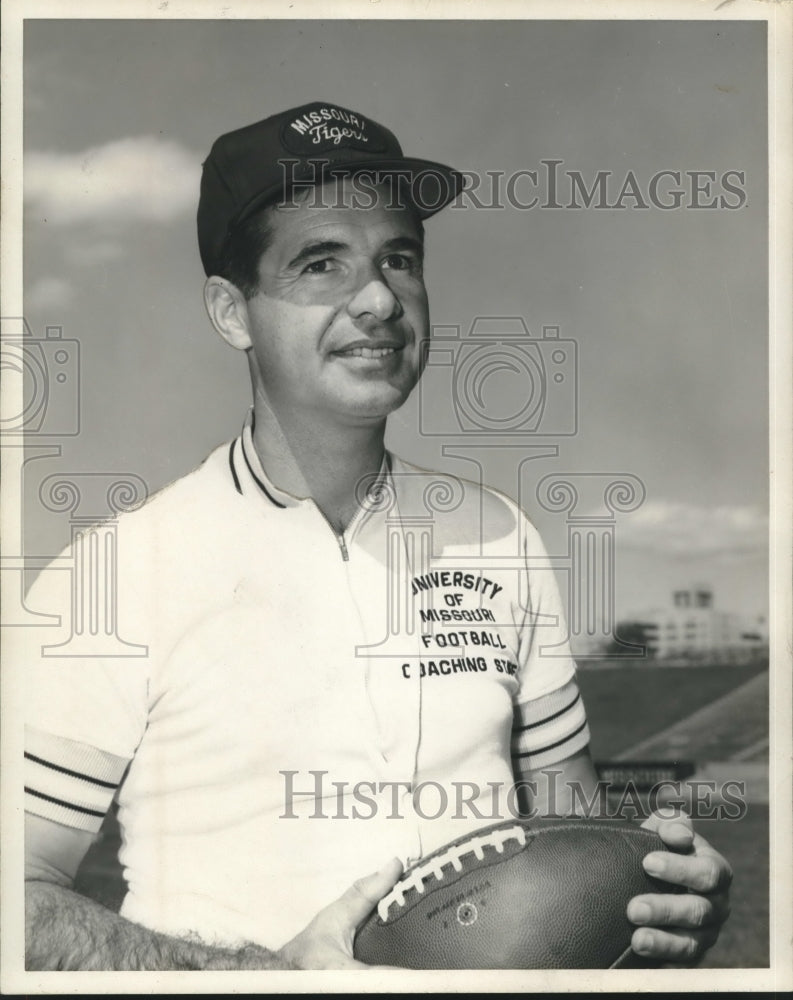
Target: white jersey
[{"x": 306, "y": 705}]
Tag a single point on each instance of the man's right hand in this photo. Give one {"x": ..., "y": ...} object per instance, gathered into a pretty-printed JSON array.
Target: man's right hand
[{"x": 326, "y": 943}]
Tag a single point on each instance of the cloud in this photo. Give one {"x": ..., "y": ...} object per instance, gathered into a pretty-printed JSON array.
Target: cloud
[
  {"x": 691, "y": 530},
  {"x": 138, "y": 178},
  {"x": 89, "y": 254},
  {"x": 49, "y": 293}
]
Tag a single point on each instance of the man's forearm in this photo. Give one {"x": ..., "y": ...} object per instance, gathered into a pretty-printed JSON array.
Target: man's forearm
[
  {"x": 564, "y": 789},
  {"x": 66, "y": 931}
]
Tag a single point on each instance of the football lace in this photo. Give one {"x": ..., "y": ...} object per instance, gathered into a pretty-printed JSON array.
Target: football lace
[{"x": 434, "y": 868}]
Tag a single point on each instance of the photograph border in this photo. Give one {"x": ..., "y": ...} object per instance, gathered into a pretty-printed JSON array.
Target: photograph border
[{"x": 779, "y": 18}]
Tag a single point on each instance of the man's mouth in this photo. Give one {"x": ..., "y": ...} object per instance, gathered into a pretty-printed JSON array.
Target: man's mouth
[{"x": 368, "y": 352}]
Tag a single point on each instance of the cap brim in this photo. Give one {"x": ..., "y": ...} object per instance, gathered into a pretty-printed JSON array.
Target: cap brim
[{"x": 428, "y": 186}]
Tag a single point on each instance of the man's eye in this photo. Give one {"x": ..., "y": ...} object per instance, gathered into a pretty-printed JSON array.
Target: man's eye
[
  {"x": 401, "y": 262},
  {"x": 319, "y": 266}
]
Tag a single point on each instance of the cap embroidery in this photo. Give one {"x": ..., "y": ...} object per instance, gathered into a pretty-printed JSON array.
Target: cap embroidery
[
  {"x": 316, "y": 124},
  {"x": 326, "y": 127}
]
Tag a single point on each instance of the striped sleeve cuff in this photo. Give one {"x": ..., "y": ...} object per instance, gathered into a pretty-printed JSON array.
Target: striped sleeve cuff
[
  {"x": 69, "y": 782},
  {"x": 549, "y": 729}
]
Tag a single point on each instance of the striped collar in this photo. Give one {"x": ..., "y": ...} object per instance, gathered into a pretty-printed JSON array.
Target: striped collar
[{"x": 248, "y": 475}]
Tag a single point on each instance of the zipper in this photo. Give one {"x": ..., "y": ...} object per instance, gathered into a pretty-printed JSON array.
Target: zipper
[
  {"x": 349, "y": 532},
  {"x": 345, "y": 552}
]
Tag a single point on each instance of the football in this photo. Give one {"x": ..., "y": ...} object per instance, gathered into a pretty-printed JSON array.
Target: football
[{"x": 517, "y": 895}]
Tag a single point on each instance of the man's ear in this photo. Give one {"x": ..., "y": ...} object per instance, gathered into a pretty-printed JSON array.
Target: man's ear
[{"x": 228, "y": 311}]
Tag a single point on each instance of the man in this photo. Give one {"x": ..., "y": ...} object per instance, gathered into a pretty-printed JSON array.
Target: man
[{"x": 272, "y": 745}]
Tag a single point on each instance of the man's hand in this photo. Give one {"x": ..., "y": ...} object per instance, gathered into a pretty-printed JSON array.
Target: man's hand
[
  {"x": 327, "y": 941},
  {"x": 680, "y": 928}
]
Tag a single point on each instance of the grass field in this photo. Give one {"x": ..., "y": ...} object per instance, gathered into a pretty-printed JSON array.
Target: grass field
[{"x": 626, "y": 705}]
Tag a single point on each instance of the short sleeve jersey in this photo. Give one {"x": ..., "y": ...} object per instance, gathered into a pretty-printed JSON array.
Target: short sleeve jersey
[{"x": 280, "y": 709}]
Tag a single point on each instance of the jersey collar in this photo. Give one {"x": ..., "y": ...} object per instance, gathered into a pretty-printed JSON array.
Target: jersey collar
[{"x": 249, "y": 477}]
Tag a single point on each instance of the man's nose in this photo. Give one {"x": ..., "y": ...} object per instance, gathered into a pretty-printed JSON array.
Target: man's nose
[{"x": 374, "y": 298}]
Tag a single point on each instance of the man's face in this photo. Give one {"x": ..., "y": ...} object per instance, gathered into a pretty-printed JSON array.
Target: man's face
[{"x": 340, "y": 318}]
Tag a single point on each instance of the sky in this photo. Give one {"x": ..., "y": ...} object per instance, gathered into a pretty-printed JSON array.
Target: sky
[{"x": 667, "y": 309}]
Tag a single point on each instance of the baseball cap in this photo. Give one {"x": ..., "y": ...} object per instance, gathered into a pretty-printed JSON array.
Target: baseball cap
[{"x": 252, "y": 166}]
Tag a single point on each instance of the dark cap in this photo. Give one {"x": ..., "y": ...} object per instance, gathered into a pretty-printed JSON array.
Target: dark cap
[{"x": 255, "y": 165}]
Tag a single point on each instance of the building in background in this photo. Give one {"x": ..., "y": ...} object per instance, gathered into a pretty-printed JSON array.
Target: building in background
[
  {"x": 692, "y": 629},
  {"x": 688, "y": 630}
]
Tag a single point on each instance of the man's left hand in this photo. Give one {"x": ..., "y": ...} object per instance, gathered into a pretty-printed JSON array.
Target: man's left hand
[{"x": 674, "y": 928}]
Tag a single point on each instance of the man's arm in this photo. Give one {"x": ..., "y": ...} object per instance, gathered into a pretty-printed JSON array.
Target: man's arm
[
  {"x": 672, "y": 928},
  {"x": 66, "y": 931}
]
